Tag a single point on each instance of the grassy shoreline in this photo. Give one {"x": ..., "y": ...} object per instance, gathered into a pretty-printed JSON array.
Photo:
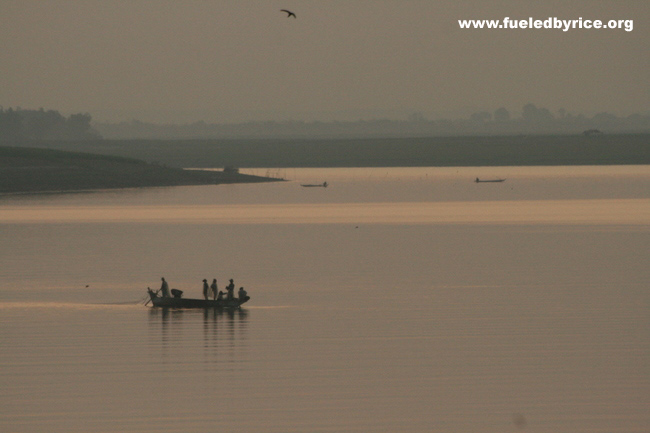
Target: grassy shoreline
[
  {"x": 31, "y": 170},
  {"x": 604, "y": 149},
  {"x": 47, "y": 166}
]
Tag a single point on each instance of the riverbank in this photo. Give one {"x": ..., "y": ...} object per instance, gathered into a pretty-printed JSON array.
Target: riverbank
[
  {"x": 32, "y": 170},
  {"x": 530, "y": 150}
]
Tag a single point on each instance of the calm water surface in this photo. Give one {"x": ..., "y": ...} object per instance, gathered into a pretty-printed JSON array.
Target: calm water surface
[{"x": 409, "y": 300}]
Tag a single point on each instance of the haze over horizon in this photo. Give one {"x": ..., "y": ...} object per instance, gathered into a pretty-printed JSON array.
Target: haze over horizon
[{"x": 225, "y": 61}]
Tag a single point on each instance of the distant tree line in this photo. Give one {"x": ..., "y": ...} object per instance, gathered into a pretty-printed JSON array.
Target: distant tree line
[
  {"x": 19, "y": 125},
  {"x": 29, "y": 125},
  {"x": 533, "y": 120}
]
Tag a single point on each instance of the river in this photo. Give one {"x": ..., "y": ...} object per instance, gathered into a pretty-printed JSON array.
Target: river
[{"x": 395, "y": 299}]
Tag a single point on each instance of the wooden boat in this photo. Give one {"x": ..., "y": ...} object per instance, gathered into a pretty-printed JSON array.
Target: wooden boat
[
  {"x": 322, "y": 185},
  {"x": 488, "y": 180},
  {"x": 178, "y": 302}
]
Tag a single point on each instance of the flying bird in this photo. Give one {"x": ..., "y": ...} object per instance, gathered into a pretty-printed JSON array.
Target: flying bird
[{"x": 289, "y": 13}]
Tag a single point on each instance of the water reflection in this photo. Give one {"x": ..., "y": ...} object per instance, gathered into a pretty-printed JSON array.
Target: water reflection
[
  {"x": 481, "y": 210},
  {"x": 220, "y": 335},
  {"x": 218, "y": 324},
  {"x": 171, "y": 317}
]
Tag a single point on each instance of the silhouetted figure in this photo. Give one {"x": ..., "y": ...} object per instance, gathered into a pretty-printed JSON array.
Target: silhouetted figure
[
  {"x": 231, "y": 290},
  {"x": 164, "y": 288},
  {"x": 214, "y": 288},
  {"x": 289, "y": 13},
  {"x": 206, "y": 289},
  {"x": 220, "y": 296},
  {"x": 242, "y": 294}
]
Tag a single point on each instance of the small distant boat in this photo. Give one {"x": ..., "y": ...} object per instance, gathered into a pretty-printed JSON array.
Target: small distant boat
[
  {"x": 489, "y": 180},
  {"x": 178, "y": 302},
  {"x": 309, "y": 185}
]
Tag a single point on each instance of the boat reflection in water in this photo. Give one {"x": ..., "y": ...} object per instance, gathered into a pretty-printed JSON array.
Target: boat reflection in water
[
  {"x": 183, "y": 332},
  {"x": 170, "y": 315}
]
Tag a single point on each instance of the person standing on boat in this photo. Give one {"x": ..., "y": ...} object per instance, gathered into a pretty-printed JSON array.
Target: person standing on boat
[
  {"x": 164, "y": 288},
  {"x": 206, "y": 289},
  {"x": 231, "y": 290},
  {"x": 214, "y": 288}
]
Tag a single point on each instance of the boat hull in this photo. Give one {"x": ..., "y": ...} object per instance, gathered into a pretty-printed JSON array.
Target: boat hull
[
  {"x": 488, "y": 180},
  {"x": 229, "y": 304}
]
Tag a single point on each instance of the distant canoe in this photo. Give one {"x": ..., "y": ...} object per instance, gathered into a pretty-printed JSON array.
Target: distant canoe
[
  {"x": 322, "y": 185},
  {"x": 489, "y": 180}
]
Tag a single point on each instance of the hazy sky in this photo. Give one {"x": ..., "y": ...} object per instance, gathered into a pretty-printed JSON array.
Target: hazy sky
[{"x": 225, "y": 61}]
